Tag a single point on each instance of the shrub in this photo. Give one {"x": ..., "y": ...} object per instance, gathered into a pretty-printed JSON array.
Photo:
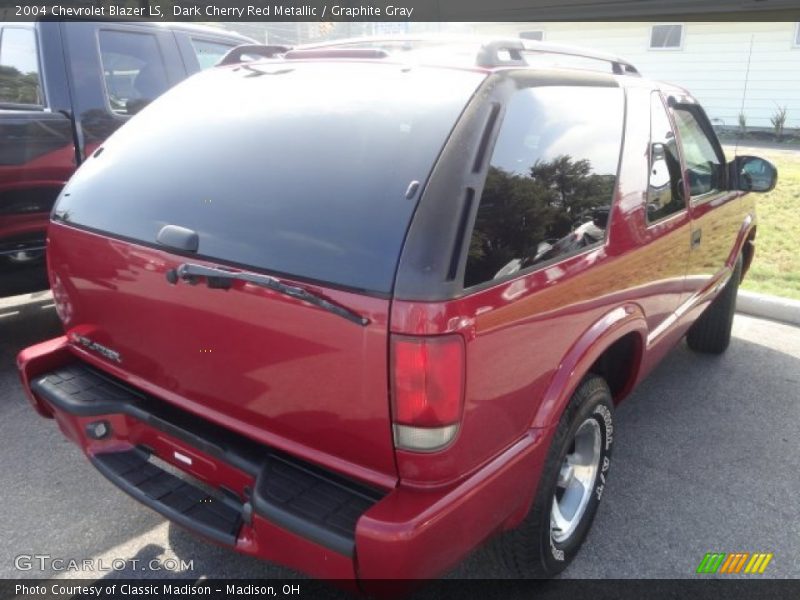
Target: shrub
[{"x": 778, "y": 121}]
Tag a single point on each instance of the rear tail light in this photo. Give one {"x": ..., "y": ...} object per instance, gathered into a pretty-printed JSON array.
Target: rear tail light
[{"x": 427, "y": 391}]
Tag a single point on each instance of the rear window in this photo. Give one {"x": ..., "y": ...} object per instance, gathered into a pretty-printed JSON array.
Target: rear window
[{"x": 299, "y": 169}]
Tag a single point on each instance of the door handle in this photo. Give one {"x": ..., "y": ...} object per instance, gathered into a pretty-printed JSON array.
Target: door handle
[{"x": 697, "y": 235}]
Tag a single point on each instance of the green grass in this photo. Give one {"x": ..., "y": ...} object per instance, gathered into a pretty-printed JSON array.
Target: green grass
[{"x": 776, "y": 266}]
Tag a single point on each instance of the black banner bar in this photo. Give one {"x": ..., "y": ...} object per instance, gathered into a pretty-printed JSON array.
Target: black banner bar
[
  {"x": 401, "y": 10},
  {"x": 733, "y": 588}
]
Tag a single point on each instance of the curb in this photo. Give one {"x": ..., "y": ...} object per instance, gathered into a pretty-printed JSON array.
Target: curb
[
  {"x": 22, "y": 299},
  {"x": 769, "y": 307}
]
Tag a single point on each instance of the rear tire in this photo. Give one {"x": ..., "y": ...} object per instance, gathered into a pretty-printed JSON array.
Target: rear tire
[
  {"x": 711, "y": 332},
  {"x": 23, "y": 257},
  {"x": 547, "y": 541}
]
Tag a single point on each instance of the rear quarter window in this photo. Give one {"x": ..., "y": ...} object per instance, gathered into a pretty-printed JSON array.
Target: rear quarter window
[{"x": 551, "y": 180}]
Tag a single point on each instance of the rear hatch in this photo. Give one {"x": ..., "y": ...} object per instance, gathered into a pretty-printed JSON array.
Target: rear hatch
[{"x": 300, "y": 171}]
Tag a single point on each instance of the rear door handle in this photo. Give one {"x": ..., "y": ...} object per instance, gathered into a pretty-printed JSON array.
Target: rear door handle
[{"x": 697, "y": 235}]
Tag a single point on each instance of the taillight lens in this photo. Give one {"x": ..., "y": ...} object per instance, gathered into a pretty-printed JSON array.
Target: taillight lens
[{"x": 427, "y": 390}]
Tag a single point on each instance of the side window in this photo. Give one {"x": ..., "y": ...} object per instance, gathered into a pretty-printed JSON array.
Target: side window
[
  {"x": 209, "y": 53},
  {"x": 664, "y": 190},
  {"x": 19, "y": 67},
  {"x": 133, "y": 70},
  {"x": 551, "y": 180},
  {"x": 704, "y": 167}
]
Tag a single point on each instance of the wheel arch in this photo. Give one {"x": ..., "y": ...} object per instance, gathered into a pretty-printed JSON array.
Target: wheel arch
[{"x": 618, "y": 337}]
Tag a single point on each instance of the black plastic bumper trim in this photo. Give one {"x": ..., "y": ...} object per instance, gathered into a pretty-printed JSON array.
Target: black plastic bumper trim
[
  {"x": 179, "y": 501},
  {"x": 312, "y": 502},
  {"x": 305, "y": 499},
  {"x": 84, "y": 391}
]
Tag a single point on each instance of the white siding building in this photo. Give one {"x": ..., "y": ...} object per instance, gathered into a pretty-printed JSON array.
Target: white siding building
[{"x": 709, "y": 59}]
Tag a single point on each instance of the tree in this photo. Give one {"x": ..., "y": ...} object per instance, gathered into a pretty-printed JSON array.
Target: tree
[
  {"x": 17, "y": 87},
  {"x": 519, "y": 212}
]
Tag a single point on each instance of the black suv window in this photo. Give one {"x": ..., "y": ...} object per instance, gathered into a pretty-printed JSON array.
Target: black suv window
[
  {"x": 209, "y": 53},
  {"x": 19, "y": 67},
  {"x": 133, "y": 69},
  {"x": 301, "y": 169},
  {"x": 550, "y": 184},
  {"x": 704, "y": 167},
  {"x": 664, "y": 191}
]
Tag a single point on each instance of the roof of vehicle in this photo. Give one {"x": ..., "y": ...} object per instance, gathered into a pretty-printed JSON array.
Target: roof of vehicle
[
  {"x": 488, "y": 48},
  {"x": 489, "y": 55},
  {"x": 472, "y": 52}
]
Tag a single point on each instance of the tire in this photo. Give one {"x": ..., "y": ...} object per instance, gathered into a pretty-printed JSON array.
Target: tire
[
  {"x": 536, "y": 548},
  {"x": 711, "y": 332},
  {"x": 22, "y": 259}
]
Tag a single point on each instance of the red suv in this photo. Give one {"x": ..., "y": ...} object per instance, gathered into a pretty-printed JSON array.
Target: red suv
[{"x": 359, "y": 308}]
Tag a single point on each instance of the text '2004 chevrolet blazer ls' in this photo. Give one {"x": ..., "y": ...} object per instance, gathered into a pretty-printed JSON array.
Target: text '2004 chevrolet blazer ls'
[{"x": 383, "y": 307}]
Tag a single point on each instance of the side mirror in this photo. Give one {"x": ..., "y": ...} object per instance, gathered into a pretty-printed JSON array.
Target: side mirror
[{"x": 753, "y": 174}]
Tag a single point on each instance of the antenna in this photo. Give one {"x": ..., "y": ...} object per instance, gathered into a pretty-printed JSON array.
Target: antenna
[{"x": 744, "y": 92}]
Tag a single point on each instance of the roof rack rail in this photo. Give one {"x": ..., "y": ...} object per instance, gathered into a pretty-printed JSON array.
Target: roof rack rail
[
  {"x": 355, "y": 53},
  {"x": 237, "y": 54},
  {"x": 492, "y": 53}
]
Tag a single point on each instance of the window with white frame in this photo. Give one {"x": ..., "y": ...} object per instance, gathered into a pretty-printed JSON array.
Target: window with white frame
[
  {"x": 666, "y": 37},
  {"x": 537, "y": 35},
  {"x": 797, "y": 35}
]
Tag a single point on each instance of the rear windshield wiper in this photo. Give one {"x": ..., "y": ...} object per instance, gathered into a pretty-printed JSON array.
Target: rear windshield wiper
[{"x": 220, "y": 278}]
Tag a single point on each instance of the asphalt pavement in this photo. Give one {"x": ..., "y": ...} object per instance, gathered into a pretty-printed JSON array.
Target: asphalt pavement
[{"x": 706, "y": 459}]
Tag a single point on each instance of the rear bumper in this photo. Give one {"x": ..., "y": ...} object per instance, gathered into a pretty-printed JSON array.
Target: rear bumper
[{"x": 264, "y": 503}]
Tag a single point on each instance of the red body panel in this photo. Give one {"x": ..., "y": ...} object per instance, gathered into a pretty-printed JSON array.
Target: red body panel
[
  {"x": 47, "y": 172},
  {"x": 410, "y": 533},
  {"x": 529, "y": 341},
  {"x": 420, "y": 534},
  {"x": 12, "y": 226},
  {"x": 264, "y": 365}
]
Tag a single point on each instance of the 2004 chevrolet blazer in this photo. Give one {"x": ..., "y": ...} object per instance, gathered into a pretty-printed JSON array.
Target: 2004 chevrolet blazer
[{"x": 358, "y": 311}]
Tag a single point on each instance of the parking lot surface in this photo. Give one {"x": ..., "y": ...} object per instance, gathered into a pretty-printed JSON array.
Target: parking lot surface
[{"x": 705, "y": 460}]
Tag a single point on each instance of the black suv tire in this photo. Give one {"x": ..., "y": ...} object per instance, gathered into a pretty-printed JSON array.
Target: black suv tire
[{"x": 711, "y": 333}]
